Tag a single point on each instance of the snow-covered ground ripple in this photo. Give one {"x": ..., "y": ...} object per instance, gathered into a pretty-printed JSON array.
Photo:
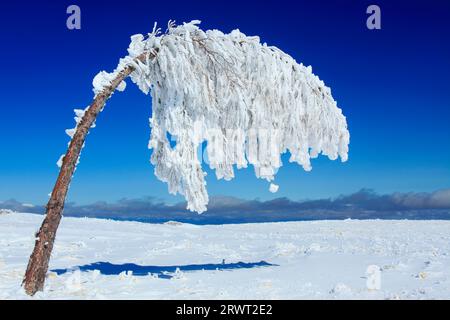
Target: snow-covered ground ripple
[{"x": 311, "y": 260}]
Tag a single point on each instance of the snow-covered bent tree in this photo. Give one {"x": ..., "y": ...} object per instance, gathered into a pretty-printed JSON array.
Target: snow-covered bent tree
[{"x": 250, "y": 102}]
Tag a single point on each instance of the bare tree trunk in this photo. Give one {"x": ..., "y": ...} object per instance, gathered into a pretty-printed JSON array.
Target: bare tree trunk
[{"x": 39, "y": 259}]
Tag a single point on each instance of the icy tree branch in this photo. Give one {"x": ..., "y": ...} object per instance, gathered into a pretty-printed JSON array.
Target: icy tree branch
[{"x": 249, "y": 102}]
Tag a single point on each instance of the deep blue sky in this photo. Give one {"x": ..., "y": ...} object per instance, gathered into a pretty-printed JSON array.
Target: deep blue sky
[{"x": 392, "y": 85}]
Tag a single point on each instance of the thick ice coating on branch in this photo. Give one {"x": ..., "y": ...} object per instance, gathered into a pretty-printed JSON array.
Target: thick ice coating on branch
[{"x": 248, "y": 101}]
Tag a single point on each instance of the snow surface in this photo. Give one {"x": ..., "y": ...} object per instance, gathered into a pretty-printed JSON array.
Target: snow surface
[{"x": 314, "y": 259}]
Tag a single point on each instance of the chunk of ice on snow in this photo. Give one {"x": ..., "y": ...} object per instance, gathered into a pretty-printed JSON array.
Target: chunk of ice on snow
[{"x": 373, "y": 281}]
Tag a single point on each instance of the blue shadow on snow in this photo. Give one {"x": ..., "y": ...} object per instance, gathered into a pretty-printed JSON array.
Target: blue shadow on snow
[{"x": 164, "y": 272}]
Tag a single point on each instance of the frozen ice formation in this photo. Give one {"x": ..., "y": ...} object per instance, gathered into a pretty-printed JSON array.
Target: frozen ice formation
[
  {"x": 247, "y": 102},
  {"x": 273, "y": 188},
  {"x": 79, "y": 113},
  {"x": 103, "y": 79}
]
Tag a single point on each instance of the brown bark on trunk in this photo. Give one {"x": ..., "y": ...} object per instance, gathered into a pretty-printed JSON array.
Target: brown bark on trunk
[{"x": 39, "y": 259}]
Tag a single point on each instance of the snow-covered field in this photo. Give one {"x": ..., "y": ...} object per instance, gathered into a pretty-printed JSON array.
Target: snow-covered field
[{"x": 311, "y": 260}]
